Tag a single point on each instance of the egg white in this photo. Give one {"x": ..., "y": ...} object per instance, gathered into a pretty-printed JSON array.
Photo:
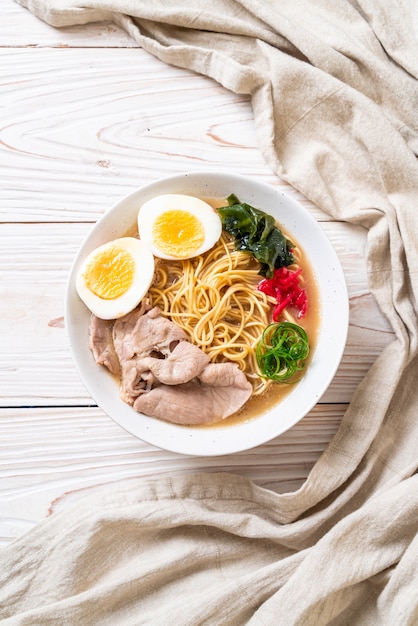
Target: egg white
[
  {"x": 114, "y": 308},
  {"x": 156, "y": 207}
]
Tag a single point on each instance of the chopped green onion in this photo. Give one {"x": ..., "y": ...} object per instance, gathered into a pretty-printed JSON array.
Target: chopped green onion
[{"x": 282, "y": 351}]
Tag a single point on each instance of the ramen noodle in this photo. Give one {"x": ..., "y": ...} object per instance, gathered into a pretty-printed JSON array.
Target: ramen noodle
[{"x": 214, "y": 298}]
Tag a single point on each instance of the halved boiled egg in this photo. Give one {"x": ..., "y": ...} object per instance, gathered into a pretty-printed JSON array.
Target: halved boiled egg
[
  {"x": 115, "y": 277},
  {"x": 177, "y": 226}
]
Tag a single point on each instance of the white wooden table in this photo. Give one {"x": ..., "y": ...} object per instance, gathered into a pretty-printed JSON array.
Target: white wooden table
[{"x": 86, "y": 117}]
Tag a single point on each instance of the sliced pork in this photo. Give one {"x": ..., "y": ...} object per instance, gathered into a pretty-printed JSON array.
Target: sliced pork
[
  {"x": 184, "y": 363},
  {"x": 101, "y": 344},
  {"x": 164, "y": 375},
  {"x": 143, "y": 335},
  {"x": 225, "y": 392}
]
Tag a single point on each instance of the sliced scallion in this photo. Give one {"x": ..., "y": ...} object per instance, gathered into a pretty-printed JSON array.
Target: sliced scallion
[{"x": 282, "y": 351}]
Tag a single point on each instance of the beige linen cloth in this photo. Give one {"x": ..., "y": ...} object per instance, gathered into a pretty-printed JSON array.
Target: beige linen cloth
[{"x": 335, "y": 97}]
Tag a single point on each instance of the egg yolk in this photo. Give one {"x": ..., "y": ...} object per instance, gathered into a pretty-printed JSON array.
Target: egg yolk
[
  {"x": 110, "y": 273},
  {"x": 178, "y": 233}
]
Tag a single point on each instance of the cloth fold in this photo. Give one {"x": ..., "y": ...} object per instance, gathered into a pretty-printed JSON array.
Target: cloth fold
[
  {"x": 210, "y": 549},
  {"x": 334, "y": 91}
]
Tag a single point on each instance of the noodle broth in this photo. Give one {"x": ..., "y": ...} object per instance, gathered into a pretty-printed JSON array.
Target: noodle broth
[{"x": 195, "y": 292}]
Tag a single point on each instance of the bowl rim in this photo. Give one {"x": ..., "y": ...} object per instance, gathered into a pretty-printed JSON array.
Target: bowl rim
[{"x": 218, "y": 440}]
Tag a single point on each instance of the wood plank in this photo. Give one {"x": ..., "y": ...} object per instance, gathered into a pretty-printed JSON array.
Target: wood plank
[
  {"x": 35, "y": 362},
  {"x": 33, "y": 32},
  {"x": 74, "y": 140},
  {"x": 60, "y": 455}
]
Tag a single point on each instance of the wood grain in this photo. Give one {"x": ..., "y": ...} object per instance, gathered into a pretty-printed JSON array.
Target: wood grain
[
  {"x": 86, "y": 139},
  {"x": 61, "y": 454}
]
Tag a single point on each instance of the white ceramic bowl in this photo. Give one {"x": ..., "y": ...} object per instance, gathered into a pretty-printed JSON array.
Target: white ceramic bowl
[{"x": 330, "y": 342}]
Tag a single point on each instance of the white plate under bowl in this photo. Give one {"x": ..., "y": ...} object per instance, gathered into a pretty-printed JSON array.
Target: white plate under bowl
[{"x": 331, "y": 340}]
